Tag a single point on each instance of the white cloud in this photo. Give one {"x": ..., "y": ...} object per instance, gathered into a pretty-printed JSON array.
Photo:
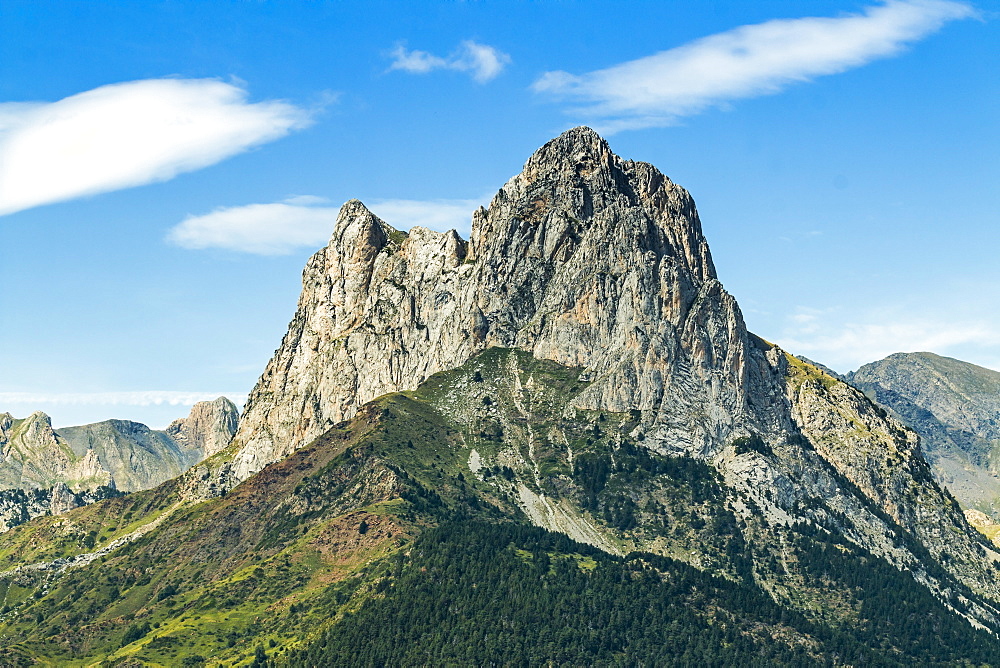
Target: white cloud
[
  {"x": 128, "y": 134},
  {"x": 822, "y": 335},
  {"x": 307, "y": 200},
  {"x": 283, "y": 227},
  {"x": 482, "y": 61},
  {"x": 415, "y": 62},
  {"x": 746, "y": 62},
  {"x": 263, "y": 229},
  {"x": 139, "y": 398}
]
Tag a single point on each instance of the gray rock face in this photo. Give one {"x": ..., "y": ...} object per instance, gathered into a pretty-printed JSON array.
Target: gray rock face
[
  {"x": 34, "y": 456},
  {"x": 599, "y": 263},
  {"x": 133, "y": 455},
  {"x": 207, "y": 429},
  {"x": 955, "y": 407},
  {"x": 17, "y": 506},
  {"x": 583, "y": 258},
  {"x": 67, "y": 468}
]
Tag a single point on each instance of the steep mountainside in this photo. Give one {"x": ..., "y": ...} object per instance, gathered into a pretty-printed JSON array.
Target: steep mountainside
[
  {"x": 955, "y": 407},
  {"x": 599, "y": 263},
  {"x": 438, "y": 407},
  {"x": 583, "y": 258},
  {"x": 398, "y": 538},
  {"x": 43, "y": 470},
  {"x": 33, "y": 456}
]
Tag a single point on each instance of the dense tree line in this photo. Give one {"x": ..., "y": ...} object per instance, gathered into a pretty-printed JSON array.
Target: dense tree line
[{"x": 475, "y": 593}]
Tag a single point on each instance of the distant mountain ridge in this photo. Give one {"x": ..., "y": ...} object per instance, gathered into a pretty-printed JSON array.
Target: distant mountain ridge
[
  {"x": 64, "y": 468},
  {"x": 955, "y": 407}
]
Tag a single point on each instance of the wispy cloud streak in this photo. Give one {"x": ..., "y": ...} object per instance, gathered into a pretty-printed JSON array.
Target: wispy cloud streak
[
  {"x": 129, "y": 134},
  {"x": 280, "y": 228},
  {"x": 481, "y": 61},
  {"x": 277, "y": 228},
  {"x": 745, "y": 62}
]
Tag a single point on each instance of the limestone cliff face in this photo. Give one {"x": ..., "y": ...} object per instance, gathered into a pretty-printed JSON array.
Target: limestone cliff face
[
  {"x": 32, "y": 456},
  {"x": 599, "y": 264},
  {"x": 207, "y": 429},
  {"x": 583, "y": 258}
]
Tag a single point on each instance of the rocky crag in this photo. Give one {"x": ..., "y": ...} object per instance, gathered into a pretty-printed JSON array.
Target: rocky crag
[
  {"x": 955, "y": 407},
  {"x": 207, "y": 429},
  {"x": 45, "y": 471},
  {"x": 583, "y": 258},
  {"x": 599, "y": 264}
]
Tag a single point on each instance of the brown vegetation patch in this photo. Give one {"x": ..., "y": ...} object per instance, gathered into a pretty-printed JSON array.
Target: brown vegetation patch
[{"x": 356, "y": 538}]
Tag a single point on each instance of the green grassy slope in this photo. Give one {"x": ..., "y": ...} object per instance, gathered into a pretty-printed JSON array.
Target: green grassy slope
[{"x": 398, "y": 538}]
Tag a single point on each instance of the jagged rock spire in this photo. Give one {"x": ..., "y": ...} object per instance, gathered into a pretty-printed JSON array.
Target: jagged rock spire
[{"x": 582, "y": 258}]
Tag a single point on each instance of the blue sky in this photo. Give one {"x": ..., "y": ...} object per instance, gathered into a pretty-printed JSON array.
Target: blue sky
[{"x": 167, "y": 167}]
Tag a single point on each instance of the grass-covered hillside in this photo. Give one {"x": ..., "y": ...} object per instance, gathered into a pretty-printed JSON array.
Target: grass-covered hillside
[{"x": 407, "y": 536}]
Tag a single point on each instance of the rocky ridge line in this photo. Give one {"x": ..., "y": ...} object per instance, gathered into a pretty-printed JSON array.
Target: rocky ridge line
[
  {"x": 46, "y": 471},
  {"x": 583, "y": 258}
]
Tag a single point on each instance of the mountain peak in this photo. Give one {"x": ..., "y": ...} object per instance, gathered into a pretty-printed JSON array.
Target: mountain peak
[
  {"x": 599, "y": 265},
  {"x": 580, "y": 144},
  {"x": 358, "y": 230},
  {"x": 575, "y": 186},
  {"x": 576, "y": 366},
  {"x": 208, "y": 427},
  {"x": 582, "y": 258}
]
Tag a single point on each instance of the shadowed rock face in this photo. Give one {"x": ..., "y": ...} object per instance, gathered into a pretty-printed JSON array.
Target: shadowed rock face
[
  {"x": 955, "y": 407},
  {"x": 599, "y": 264},
  {"x": 583, "y": 258}
]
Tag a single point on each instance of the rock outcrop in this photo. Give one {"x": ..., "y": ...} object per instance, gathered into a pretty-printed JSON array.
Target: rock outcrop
[
  {"x": 207, "y": 429},
  {"x": 33, "y": 455},
  {"x": 17, "y": 506},
  {"x": 583, "y": 258}
]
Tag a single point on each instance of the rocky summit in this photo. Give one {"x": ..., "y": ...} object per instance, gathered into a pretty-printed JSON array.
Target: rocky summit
[
  {"x": 562, "y": 428},
  {"x": 583, "y": 258}
]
